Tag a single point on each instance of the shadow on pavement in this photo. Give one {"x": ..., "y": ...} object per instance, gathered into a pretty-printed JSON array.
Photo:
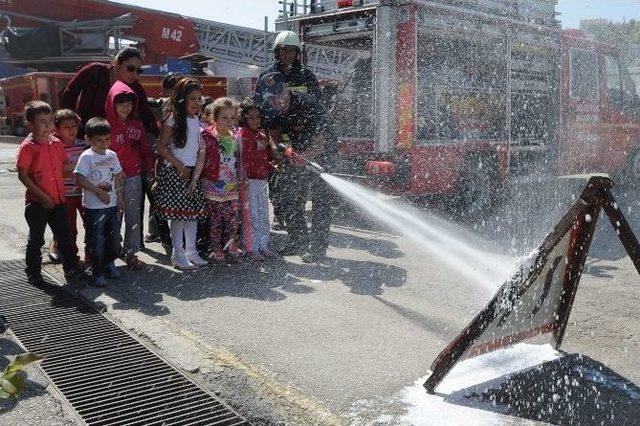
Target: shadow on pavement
[
  {"x": 573, "y": 387},
  {"x": 270, "y": 281},
  {"x": 375, "y": 246}
]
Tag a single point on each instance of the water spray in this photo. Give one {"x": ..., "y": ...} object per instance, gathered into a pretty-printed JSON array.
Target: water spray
[{"x": 299, "y": 160}]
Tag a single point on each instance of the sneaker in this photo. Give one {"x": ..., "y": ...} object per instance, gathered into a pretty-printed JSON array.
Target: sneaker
[
  {"x": 133, "y": 263},
  {"x": 196, "y": 259},
  {"x": 217, "y": 256},
  {"x": 35, "y": 279},
  {"x": 112, "y": 271},
  {"x": 180, "y": 261},
  {"x": 54, "y": 258},
  {"x": 290, "y": 250},
  {"x": 312, "y": 257},
  {"x": 151, "y": 238},
  {"x": 75, "y": 274},
  {"x": 234, "y": 253},
  {"x": 268, "y": 253},
  {"x": 257, "y": 257},
  {"x": 278, "y": 226},
  {"x": 99, "y": 282}
]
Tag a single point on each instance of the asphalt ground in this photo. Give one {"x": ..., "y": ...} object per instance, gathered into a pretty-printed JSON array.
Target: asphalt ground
[{"x": 286, "y": 342}]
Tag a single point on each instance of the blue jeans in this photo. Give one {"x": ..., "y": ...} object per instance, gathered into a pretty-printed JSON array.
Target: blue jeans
[{"x": 103, "y": 237}]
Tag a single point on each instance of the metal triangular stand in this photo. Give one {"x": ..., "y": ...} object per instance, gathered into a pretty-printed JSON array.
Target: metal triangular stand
[{"x": 538, "y": 298}]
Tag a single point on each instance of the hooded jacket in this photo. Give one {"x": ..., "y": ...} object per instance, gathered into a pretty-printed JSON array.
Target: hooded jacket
[
  {"x": 128, "y": 138},
  {"x": 256, "y": 153}
]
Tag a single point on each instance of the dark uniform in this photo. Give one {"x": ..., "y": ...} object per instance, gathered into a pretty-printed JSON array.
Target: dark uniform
[
  {"x": 298, "y": 79},
  {"x": 301, "y": 125}
]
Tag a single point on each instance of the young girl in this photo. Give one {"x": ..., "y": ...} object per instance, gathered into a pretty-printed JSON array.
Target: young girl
[
  {"x": 179, "y": 194},
  {"x": 256, "y": 157},
  {"x": 220, "y": 179}
]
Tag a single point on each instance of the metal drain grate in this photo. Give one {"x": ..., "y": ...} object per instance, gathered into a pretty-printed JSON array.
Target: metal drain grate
[{"x": 106, "y": 375}]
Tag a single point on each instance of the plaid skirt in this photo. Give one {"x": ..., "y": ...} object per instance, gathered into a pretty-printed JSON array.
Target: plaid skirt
[{"x": 172, "y": 201}]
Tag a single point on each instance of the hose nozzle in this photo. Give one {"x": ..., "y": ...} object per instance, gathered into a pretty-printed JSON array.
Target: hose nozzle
[{"x": 299, "y": 160}]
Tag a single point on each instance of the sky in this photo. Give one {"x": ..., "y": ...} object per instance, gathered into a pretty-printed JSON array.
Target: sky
[{"x": 251, "y": 13}]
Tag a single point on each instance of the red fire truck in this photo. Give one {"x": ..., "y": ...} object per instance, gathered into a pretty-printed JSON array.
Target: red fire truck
[
  {"x": 457, "y": 96},
  {"x": 48, "y": 86}
]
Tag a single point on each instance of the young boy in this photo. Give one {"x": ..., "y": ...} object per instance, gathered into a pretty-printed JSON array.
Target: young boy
[
  {"x": 99, "y": 174},
  {"x": 66, "y": 122},
  {"x": 129, "y": 142},
  {"x": 40, "y": 164}
]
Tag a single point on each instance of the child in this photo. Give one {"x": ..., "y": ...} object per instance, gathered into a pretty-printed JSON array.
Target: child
[
  {"x": 179, "y": 194},
  {"x": 129, "y": 142},
  {"x": 66, "y": 123},
  {"x": 256, "y": 157},
  {"x": 220, "y": 178},
  {"x": 99, "y": 174},
  {"x": 40, "y": 163}
]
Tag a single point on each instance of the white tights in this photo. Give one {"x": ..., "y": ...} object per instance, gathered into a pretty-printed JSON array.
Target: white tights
[{"x": 183, "y": 234}]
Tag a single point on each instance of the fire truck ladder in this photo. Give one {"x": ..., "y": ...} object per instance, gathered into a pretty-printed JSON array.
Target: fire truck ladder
[{"x": 253, "y": 47}]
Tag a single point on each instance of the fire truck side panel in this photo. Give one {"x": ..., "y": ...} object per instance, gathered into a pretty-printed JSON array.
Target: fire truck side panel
[
  {"x": 165, "y": 34},
  {"x": 600, "y": 111}
]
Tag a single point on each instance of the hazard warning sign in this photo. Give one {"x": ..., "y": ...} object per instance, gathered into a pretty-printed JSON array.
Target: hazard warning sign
[{"x": 537, "y": 299}]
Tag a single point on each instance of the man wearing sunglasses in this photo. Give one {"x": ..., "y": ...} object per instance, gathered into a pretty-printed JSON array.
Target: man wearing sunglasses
[{"x": 87, "y": 91}]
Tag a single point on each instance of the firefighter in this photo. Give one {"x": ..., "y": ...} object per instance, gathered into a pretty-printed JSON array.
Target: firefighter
[
  {"x": 287, "y": 50},
  {"x": 298, "y": 120}
]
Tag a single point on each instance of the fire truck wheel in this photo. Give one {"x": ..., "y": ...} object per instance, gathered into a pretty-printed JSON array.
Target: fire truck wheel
[
  {"x": 633, "y": 169},
  {"x": 477, "y": 186}
]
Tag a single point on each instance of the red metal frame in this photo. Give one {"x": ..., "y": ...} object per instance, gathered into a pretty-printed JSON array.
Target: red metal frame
[{"x": 166, "y": 34}]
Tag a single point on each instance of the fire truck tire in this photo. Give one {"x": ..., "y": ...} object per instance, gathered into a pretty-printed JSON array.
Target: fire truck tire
[
  {"x": 478, "y": 186},
  {"x": 632, "y": 175}
]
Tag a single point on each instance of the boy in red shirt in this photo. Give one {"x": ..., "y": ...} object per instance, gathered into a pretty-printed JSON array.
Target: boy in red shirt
[
  {"x": 129, "y": 142},
  {"x": 67, "y": 123},
  {"x": 40, "y": 164}
]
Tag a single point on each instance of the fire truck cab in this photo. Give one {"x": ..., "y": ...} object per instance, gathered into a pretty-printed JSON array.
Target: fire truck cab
[{"x": 457, "y": 96}]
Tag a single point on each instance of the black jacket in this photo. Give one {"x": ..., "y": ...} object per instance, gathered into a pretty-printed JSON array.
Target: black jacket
[{"x": 298, "y": 77}]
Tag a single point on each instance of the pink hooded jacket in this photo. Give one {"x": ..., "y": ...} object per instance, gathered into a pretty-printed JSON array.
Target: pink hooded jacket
[{"x": 128, "y": 138}]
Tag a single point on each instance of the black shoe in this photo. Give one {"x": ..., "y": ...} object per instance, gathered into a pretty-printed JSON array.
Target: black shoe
[
  {"x": 54, "y": 258},
  {"x": 75, "y": 274},
  {"x": 313, "y": 257},
  {"x": 290, "y": 250},
  {"x": 278, "y": 226},
  {"x": 35, "y": 279},
  {"x": 152, "y": 238}
]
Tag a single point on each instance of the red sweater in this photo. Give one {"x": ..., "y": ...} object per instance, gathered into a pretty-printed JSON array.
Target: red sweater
[
  {"x": 212, "y": 159},
  {"x": 128, "y": 138},
  {"x": 86, "y": 94},
  {"x": 256, "y": 154}
]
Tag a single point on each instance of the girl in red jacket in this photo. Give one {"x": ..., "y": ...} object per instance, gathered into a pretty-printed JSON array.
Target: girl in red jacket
[
  {"x": 129, "y": 142},
  {"x": 256, "y": 164}
]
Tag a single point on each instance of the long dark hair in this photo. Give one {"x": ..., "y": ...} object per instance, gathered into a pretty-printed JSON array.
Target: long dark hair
[
  {"x": 126, "y": 54},
  {"x": 179, "y": 109}
]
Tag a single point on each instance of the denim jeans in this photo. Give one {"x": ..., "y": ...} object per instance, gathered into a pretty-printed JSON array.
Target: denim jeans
[
  {"x": 38, "y": 218},
  {"x": 103, "y": 237}
]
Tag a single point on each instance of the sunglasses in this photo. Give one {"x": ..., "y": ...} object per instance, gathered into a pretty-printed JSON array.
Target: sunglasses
[{"x": 133, "y": 68}]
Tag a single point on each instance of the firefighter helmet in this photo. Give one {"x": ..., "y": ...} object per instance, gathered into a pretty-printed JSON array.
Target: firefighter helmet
[{"x": 287, "y": 38}]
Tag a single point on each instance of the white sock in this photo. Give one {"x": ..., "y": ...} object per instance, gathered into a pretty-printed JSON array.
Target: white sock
[
  {"x": 176, "y": 228},
  {"x": 191, "y": 236}
]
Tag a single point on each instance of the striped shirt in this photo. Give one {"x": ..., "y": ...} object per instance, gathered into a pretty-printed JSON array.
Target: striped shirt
[{"x": 73, "y": 152}]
